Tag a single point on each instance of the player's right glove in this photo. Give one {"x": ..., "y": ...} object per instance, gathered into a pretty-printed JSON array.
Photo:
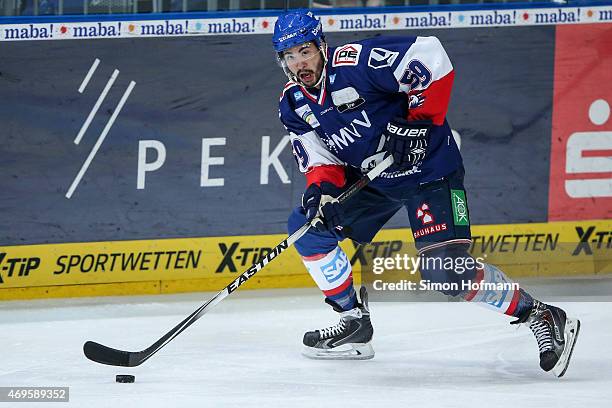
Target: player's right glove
[
  {"x": 407, "y": 141},
  {"x": 321, "y": 205}
]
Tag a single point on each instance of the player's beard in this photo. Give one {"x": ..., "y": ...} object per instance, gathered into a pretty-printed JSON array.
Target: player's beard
[{"x": 308, "y": 77}]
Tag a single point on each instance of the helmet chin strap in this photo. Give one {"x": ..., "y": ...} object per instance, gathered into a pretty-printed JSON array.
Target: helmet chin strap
[
  {"x": 323, "y": 50},
  {"x": 293, "y": 78}
]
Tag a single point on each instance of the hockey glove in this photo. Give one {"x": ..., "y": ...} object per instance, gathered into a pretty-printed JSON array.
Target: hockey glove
[
  {"x": 322, "y": 207},
  {"x": 407, "y": 141}
]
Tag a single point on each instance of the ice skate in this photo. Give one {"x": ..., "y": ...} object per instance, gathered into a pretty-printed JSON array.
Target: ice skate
[
  {"x": 349, "y": 339},
  {"x": 555, "y": 333}
]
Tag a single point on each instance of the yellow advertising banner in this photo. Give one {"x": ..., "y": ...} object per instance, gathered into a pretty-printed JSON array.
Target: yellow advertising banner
[{"x": 185, "y": 264}]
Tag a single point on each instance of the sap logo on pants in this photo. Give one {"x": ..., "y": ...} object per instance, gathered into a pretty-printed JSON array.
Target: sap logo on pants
[
  {"x": 336, "y": 268},
  {"x": 495, "y": 298}
]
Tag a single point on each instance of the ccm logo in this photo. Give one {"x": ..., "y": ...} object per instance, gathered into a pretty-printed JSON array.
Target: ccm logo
[{"x": 408, "y": 132}]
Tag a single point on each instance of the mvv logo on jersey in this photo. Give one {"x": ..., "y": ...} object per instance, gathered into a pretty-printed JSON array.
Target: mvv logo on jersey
[
  {"x": 346, "y": 55},
  {"x": 347, "y": 135}
]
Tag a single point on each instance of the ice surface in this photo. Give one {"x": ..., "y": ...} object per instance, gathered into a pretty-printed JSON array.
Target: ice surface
[{"x": 246, "y": 353}]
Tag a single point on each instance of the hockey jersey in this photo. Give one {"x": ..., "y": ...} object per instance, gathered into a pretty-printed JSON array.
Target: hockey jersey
[{"x": 367, "y": 84}]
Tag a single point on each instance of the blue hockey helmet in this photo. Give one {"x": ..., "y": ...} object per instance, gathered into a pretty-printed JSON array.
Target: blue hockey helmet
[{"x": 296, "y": 27}]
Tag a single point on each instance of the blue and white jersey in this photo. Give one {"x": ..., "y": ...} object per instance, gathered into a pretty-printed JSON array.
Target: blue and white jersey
[{"x": 367, "y": 84}]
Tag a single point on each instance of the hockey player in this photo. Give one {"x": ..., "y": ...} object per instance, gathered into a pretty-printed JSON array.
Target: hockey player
[{"x": 347, "y": 108}]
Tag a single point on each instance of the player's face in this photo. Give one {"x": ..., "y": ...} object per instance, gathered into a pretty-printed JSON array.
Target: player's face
[{"x": 305, "y": 62}]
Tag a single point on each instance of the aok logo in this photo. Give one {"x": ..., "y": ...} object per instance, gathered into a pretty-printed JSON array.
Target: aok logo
[
  {"x": 460, "y": 211},
  {"x": 16, "y": 267}
]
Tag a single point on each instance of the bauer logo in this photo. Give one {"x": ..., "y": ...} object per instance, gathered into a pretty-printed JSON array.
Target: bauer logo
[
  {"x": 336, "y": 268},
  {"x": 287, "y": 37}
]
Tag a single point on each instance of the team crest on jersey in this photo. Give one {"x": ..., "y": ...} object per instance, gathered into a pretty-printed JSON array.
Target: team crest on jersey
[
  {"x": 298, "y": 96},
  {"x": 307, "y": 116},
  {"x": 332, "y": 79},
  {"x": 381, "y": 58},
  {"x": 346, "y": 55}
]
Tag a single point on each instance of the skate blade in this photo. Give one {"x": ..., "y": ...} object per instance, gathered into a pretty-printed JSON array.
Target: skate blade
[
  {"x": 353, "y": 351},
  {"x": 572, "y": 328}
]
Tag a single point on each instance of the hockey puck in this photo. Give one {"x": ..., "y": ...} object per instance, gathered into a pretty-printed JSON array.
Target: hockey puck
[{"x": 122, "y": 378}]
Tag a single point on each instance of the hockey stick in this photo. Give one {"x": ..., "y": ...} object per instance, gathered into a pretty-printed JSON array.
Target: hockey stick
[{"x": 110, "y": 356}]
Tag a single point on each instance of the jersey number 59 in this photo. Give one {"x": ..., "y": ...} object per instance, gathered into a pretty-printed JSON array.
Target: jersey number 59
[{"x": 416, "y": 75}]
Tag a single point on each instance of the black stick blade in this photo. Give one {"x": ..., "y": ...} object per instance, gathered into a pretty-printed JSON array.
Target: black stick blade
[{"x": 105, "y": 355}]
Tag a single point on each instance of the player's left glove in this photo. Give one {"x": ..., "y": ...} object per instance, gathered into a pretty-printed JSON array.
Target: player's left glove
[
  {"x": 407, "y": 141},
  {"x": 322, "y": 206}
]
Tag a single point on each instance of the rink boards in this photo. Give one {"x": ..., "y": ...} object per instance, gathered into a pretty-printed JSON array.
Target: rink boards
[
  {"x": 119, "y": 145},
  {"x": 197, "y": 149},
  {"x": 192, "y": 264}
]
